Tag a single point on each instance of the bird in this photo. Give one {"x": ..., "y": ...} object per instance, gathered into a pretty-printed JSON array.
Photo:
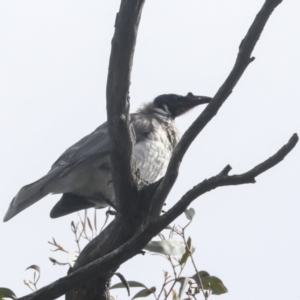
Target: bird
[{"x": 83, "y": 175}]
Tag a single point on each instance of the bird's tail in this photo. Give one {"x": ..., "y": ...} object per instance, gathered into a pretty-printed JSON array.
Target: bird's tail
[{"x": 28, "y": 195}]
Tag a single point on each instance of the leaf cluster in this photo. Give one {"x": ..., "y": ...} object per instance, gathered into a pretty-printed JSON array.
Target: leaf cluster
[{"x": 178, "y": 251}]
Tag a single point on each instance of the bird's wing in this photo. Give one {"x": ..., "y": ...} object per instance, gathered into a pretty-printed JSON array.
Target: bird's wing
[
  {"x": 97, "y": 144},
  {"x": 94, "y": 146},
  {"x": 68, "y": 204},
  {"x": 90, "y": 147}
]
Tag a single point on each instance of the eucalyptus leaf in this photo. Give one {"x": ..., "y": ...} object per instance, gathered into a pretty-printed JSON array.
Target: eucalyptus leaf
[
  {"x": 212, "y": 283},
  {"x": 144, "y": 293},
  {"x": 169, "y": 227},
  {"x": 130, "y": 283},
  {"x": 186, "y": 255},
  {"x": 216, "y": 285},
  {"x": 202, "y": 275},
  {"x": 167, "y": 247},
  {"x": 124, "y": 281},
  {"x": 183, "y": 285},
  {"x": 34, "y": 267},
  {"x": 7, "y": 293},
  {"x": 190, "y": 213}
]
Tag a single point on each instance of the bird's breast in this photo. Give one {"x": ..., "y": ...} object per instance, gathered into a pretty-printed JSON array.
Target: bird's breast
[{"x": 152, "y": 155}]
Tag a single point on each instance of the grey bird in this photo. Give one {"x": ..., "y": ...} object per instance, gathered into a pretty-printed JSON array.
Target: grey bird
[{"x": 83, "y": 172}]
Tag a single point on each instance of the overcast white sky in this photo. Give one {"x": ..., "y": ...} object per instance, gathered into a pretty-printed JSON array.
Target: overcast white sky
[{"x": 53, "y": 68}]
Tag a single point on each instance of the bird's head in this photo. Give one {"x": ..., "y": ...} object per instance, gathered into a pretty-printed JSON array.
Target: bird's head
[{"x": 176, "y": 105}]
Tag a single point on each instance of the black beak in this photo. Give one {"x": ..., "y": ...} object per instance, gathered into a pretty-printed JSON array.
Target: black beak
[
  {"x": 197, "y": 100},
  {"x": 185, "y": 103},
  {"x": 177, "y": 105}
]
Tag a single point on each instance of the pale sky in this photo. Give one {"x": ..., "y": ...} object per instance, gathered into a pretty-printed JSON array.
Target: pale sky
[{"x": 53, "y": 67}]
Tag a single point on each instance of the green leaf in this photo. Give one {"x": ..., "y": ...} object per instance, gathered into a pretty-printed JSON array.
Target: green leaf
[
  {"x": 212, "y": 283},
  {"x": 38, "y": 270},
  {"x": 169, "y": 227},
  {"x": 34, "y": 267},
  {"x": 7, "y": 293},
  {"x": 144, "y": 293},
  {"x": 124, "y": 281},
  {"x": 130, "y": 283},
  {"x": 186, "y": 255},
  {"x": 190, "y": 213},
  {"x": 167, "y": 247},
  {"x": 216, "y": 285},
  {"x": 202, "y": 274},
  {"x": 184, "y": 258},
  {"x": 183, "y": 284}
]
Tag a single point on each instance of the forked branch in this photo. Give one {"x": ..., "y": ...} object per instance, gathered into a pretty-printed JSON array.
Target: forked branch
[
  {"x": 223, "y": 179},
  {"x": 129, "y": 249},
  {"x": 243, "y": 60},
  {"x": 123, "y": 176}
]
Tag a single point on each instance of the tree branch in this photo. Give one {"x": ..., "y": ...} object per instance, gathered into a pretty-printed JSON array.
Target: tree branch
[
  {"x": 129, "y": 233},
  {"x": 117, "y": 94},
  {"x": 243, "y": 60},
  {"x": 120, "y": 129},
  {"x": 152, "y": 228},
  {"x": 222, "y": 179}
]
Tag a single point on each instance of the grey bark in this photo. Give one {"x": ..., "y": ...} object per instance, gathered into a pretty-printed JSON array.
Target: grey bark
[{"x": 138, "y": 217}]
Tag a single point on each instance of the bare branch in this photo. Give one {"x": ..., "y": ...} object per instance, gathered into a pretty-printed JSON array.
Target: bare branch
[
  {"x": 132, "y": 247},
  {"x": 222, "y": 179},
  {"x": 117, "y": 94},
  {"x": 120, "y": 129},
  {"x": 242, "y": 62},
  {"x": 125, "y": 237}
]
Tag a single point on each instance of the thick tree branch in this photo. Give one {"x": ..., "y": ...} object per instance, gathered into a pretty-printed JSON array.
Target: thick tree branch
[
  {"x": 117, "y": 94},
  {"x": 133, "y": 246},
  {"x": 242, "y": 62},
  {"x": 120, "y": 129},
  {"x": 133, "y": 229}
]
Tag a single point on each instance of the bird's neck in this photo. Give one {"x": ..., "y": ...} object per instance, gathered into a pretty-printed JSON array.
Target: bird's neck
[
  {"x": 164, "y": 118},
  {"x": 159, "y": 113}
]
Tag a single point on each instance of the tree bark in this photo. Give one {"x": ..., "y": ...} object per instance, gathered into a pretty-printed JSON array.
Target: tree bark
[
  {"x": 124, "y": 180},
  {"x": 138, "y": 217}
]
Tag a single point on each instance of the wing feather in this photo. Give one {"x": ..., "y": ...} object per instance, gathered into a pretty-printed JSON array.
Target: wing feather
[{"x": 90, "y": 147}]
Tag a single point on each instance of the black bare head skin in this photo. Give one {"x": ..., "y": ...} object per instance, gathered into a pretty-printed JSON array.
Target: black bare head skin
[{"x": 176, "y": 105}]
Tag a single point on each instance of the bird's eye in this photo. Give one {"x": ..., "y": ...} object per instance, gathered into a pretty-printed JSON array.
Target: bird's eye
[{"x": 110, "y": 184}]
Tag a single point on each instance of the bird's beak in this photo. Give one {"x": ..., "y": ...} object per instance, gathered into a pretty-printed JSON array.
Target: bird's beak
[
  {"x": 178, "y": 105},
  {"x": 194, "y": 100}
]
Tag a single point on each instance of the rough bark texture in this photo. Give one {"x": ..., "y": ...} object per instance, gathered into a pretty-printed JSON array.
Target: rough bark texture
[
  {"x": 138, "y": 217},
  {"x": 124, "y": 179},
  {"x": 117, "y": 94},
  {"x": 130, "y": 248}
]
